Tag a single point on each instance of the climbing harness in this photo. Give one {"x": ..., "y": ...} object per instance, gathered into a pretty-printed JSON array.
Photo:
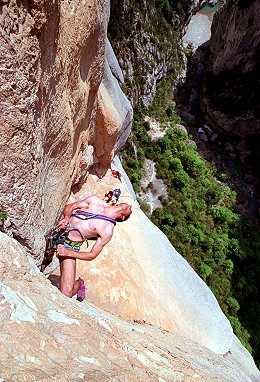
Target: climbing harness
[{"x": 58, "y": 235}]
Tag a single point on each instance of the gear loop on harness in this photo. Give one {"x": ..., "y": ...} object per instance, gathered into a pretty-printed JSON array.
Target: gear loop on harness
[{"x": 58, "y": 235}]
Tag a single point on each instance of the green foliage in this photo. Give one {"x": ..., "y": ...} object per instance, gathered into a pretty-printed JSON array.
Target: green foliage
[
  {"x": 228, "y": 267},
  {"x": 3, "y": 214},
  {"x": 223, "y": 215},
  {"x": 191, "y": 161},
  {"x": 118, "y": 29},
  {"x": 180, "y": 180},
  {"x": 144, "y": 206},
  {"x": 205, "y": 271},
  {"x": 169, "y": 110},
  {"x": 168, "y": 219},
  {"x": 199, "y": 217},
  {"x": 161, "y": 108},
  {"x": 233, "y": 305},
  {"x": 236, "y": 325},
  {"x": 222, "y": 177},
  {"x": 175, "y": 164}
]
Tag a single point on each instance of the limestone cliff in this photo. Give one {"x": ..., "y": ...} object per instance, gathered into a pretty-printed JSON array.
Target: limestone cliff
[
  {"x": 230, "y": 91},
  {"x": 62, "y": 111},
  {"x": 146, "y": 37},
  {"x": 63, "y": 116}
]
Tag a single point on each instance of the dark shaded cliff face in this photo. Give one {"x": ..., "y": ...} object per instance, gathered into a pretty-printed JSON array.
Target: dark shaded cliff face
[{"x": 230, "y": 89}]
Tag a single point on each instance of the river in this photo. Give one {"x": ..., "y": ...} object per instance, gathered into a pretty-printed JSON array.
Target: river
[{"x": 199, "y": 28}]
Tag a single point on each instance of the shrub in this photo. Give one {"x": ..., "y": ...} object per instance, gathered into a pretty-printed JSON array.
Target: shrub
[
  {"x": 3, "y": 214},
  {"x": 205, "y": 270},
  {"x": 144, "y": 206},
  {"x": 236, "y": 325},
  {"x": 134, "y": 164},
  {"x": 200, "y": 204},
  {"x": 140, "y": 152},
  {"x": 197, "y": 236},
  {"x": 168, "y": 219},
  {"x": 191, "y": 162},
  {"x": 180, "y": 180},
  {"x": 175, "y": 164},
  {"x": 233, "y": 305},
  {"x": 223, "y": 215},
  {"x": 234, "y": 247},
  {"x": 228, "y": 267},
  {"x": 214, "y": 192},
  {"x": 169, "y": 110},
  {"x": 222, "y": 177}
]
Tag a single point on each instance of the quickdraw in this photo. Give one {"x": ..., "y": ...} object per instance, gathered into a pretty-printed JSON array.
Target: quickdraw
[{"x": 58, "y": 235}]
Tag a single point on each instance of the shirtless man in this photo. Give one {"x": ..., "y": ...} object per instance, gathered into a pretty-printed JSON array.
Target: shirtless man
[{"x": 91, "y": 218}]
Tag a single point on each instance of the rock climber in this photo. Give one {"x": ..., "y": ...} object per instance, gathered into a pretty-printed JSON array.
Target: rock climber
[{"x": 89, "y": 218}]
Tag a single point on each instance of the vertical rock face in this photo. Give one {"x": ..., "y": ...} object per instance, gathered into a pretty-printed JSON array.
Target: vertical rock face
[
  {"x": 230, "y": 92},
  {"x": 146, "y": 37},
  {"x": 113, "y": 112},
  {"x": 57, "y": 121}
]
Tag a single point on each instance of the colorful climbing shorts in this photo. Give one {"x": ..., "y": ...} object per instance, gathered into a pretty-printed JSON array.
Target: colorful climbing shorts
[{"x": 72, "y": 245}]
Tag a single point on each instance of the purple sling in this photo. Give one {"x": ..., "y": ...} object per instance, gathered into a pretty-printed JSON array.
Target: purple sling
[{"x": 85, "y": 215}]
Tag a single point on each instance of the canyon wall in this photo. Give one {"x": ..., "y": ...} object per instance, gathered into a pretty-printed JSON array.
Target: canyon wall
[
  {"x": 230, "y": 91},
  {"x": 63, "y": 117},
  {"x": 147, "y": 39},
  {"x": 230, "y": 95},
  {"x": 59, "y": 116}
]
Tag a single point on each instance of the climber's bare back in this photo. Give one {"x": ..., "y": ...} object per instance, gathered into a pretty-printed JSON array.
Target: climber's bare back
[{"x": 92, "y": 228}]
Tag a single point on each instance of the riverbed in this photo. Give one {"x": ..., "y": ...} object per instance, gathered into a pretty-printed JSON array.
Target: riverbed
[{"x": 199, "y": 28}]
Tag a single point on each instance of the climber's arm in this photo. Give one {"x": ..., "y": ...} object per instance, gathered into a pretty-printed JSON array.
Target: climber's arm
[
  {"x": 90, "y": 255},
  {"x": 69, "y": 208}
]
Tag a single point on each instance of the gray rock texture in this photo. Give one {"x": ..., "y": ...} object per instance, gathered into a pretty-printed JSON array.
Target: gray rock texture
[{"x": 230, "y": 90}]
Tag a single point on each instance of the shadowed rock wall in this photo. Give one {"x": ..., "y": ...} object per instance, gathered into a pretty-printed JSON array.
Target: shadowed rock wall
[
  {"x": 230, "y": 89},
  {"x": 230, "y": 94}
]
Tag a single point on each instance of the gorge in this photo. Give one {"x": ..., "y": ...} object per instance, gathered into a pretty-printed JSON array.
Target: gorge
[{"x": 64, "y": 119}]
